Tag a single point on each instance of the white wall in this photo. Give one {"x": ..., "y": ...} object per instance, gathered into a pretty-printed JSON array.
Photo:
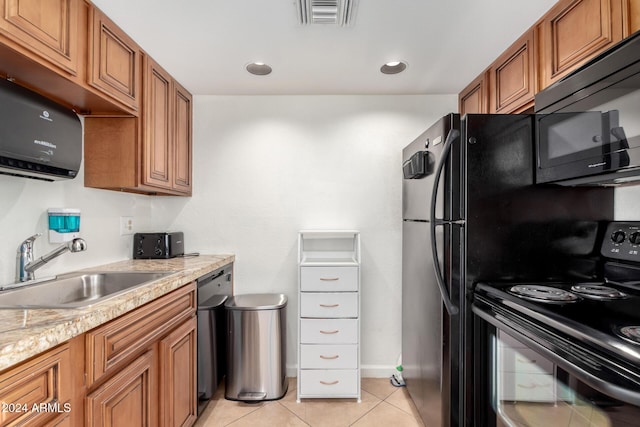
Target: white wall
[
  {"x": 627, "y": 203},
  {"x": 268, "y": 166}
]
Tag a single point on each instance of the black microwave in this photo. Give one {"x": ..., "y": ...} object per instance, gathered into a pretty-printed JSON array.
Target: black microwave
[{"x": 588, "y": 124}]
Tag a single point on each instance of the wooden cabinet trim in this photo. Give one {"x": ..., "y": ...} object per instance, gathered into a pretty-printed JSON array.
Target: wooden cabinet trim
[
  {"x": 630, "y": 17},
  {"x": 111, "y": 345}
]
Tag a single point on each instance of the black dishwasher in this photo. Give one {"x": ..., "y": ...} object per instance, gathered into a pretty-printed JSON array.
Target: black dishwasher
[{"x": 213, "y": 290}]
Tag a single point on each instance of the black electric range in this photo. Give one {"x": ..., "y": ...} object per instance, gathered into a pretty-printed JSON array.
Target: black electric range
[{"x": 593, "y": 325}]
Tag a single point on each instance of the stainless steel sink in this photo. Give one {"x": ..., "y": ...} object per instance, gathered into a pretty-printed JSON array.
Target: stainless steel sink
[{"x": 76, "y": 290}]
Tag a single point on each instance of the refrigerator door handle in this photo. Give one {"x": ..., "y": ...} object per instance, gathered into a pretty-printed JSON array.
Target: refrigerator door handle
[{"x": 435, "y": 222}]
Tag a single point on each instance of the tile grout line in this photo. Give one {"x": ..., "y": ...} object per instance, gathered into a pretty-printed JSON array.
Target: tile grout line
[
  {"x": 294, "y": 414},
  {"x": 372, "y": 408}
]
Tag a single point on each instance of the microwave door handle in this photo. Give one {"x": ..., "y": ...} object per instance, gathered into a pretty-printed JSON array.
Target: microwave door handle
[{"x": 435, "y": 222}]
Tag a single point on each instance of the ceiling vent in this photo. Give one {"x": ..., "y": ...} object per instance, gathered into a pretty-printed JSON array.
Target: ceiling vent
[{"x": 334, "y": 12}]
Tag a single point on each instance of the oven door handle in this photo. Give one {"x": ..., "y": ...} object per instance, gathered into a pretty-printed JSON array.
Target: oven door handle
[
  {"x": 612, "y": 390},
  {"x": 435, "y": 222}
]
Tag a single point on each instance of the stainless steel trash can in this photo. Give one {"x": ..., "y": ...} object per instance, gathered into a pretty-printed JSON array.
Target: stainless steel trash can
[
  {"x": 256, "y": 347},
  {"x": 211, "y": 345}
]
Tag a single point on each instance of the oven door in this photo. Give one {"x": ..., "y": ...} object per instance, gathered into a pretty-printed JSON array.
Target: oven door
[{"x": 521, "y": 379}]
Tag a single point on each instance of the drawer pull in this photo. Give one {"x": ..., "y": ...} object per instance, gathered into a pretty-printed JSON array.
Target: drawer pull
[
  {"x": 329, "y": 357},
  {"x": 329, "y": 383},
  {"x": 329, "y": 305},
  {"x": 329, "y": 279},
  {"x": 532, "y": 386},
  {"x": 330, "y": 332},
  {"x": 521, "y": 360}
]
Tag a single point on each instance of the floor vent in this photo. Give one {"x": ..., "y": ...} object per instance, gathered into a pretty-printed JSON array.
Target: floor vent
[{"x": 333, "y": 12}]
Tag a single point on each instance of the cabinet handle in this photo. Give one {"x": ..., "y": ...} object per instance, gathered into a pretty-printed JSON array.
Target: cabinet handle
[
  {"x": 329, "y": 357},
  {"x": 532, "y": 361},
  {"x": 329, "y": 279},
  {"x": 329, "y": 383},
  {"x": 329, "y": 305},
  {"x": 330, "y": 332}
]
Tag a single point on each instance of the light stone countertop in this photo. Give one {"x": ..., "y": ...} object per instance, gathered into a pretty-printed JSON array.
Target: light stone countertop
[{"x": 27, "y": 332}]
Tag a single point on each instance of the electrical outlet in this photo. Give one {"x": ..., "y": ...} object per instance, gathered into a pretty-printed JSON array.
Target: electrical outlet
[{"x": 126, "y": 225}]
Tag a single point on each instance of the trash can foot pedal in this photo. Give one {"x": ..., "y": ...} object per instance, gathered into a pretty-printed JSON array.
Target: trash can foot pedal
[{"x": 248, "y": 395}]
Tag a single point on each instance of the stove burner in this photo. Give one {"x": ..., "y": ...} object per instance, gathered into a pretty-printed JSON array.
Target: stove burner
[
  {"x": 630, "y": 333},
  {"x": 545, "y": 294},
  {"x": 599, "y": 292}
]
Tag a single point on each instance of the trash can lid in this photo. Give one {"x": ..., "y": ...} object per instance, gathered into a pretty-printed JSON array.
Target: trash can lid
[
  {"x": 213, "y": 302},
  {"x": 256, "y": 302}
]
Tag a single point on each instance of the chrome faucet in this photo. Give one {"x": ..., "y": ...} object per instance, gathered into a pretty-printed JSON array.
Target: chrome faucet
[{"x": 26, "y": 266}]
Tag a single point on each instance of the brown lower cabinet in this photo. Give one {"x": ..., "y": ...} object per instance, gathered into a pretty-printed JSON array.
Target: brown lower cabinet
[
  {"x": 46, "y": 390},
  {"x": 136, "y": 370}
]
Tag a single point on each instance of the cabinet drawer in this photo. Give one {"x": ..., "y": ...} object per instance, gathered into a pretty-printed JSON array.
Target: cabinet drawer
[
  {"x": 329, "y": 331},
  {"x": 336, "y": 304},
  {"x": 336, "y": 356},
  {"x": 113, "y": 344},
  {"x": 328, "y": 279},
  {"x": 527, "y": 387},
  {"x": 525, "y": 360},
  {"x": 328, "y": 383}
]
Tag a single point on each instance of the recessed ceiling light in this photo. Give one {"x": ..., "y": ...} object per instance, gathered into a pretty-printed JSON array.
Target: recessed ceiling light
[
  {"x": 258, "y": 68},
  {"x": 393, "y": 67}
]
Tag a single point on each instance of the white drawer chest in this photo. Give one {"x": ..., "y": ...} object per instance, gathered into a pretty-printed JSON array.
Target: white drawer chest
[{"x": 329, "y": 314}]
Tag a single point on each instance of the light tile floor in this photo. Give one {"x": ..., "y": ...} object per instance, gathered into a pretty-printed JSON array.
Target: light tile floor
[{"x": 382, "y": 405}]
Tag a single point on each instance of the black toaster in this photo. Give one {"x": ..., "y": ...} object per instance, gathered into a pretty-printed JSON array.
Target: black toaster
[{"x": 158, "y": 245}]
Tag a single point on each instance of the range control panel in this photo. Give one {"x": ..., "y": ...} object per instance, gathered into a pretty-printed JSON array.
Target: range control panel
[{"x": 622, "y": 241}]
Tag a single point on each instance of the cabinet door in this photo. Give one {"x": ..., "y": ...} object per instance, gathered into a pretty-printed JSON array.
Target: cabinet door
[
  {"x": 127, "y": 399},
  {"x": 631, "y": 15},
  {"x": 49, "y": 29},
  {"x": 182, "y": 112},
  {"x": 512, "y": 77},
  {"x": 45, "y": 380},
  {"x": 114, "y": 60},
  {"x": 474, "y": 99},
  {"x": 178, "y": 376},
  {"x": 574, "y": 31},
  {"x": 157, "y": 146}
]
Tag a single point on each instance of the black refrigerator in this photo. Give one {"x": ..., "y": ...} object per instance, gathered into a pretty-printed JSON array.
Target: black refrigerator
[{"x": 471, "y": 212}]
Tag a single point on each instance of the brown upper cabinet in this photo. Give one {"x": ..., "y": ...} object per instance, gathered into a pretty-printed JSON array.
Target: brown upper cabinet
[
  {"x": 474, "y": 99},
  {"x": 48, "y": 29},
  {"x": 114, "y": 60},
  {"x": 631, "y": 16},
  {"x": 150, "y": 154},
  {"x": 512, "y": 77},
  {"x": 568, "y": 35},
  {"x": 167, "y": 131},
  {"x": 574, "y": 31}
]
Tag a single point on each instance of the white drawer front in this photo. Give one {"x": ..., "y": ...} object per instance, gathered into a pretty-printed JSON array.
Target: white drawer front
[
  {"x": 524, "y": 360},
  {"x": 527, "y": 387},
  {"x": 328, "y": 279},
  {"x": 336, "y": 304},
  {"x": 328, "y": 383},
  {"x": 329, "y": 331},
  {"x": 335, "y": 356}
]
